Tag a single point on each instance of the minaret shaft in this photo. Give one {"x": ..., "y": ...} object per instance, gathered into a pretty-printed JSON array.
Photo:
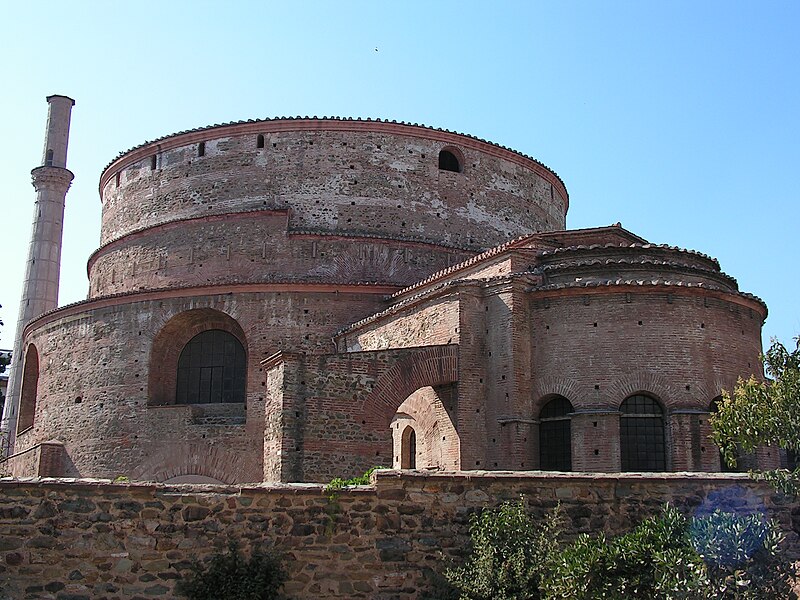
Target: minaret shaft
[{"x": 42, "y": 270}]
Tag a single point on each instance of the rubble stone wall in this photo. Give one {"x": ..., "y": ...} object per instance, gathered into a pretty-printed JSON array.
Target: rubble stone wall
[{"x": 92, "y": 540}]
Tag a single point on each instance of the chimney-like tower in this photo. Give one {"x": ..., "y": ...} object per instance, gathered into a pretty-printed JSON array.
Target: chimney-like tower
[{"x": 40, "y": 289}]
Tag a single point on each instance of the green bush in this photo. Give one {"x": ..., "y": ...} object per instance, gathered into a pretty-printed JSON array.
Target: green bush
[
  {"x": 511, "y": 552},
  {"x": 717, "y": 556},
  {"x": 337, "y": 483},
  {"x": 231, "y": 576},
  {"x": 655, "y": 560},
  {"x": 742, "y": 556}
]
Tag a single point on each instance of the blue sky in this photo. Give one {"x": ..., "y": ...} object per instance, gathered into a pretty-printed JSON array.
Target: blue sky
[{"x": 678, "y": 119}]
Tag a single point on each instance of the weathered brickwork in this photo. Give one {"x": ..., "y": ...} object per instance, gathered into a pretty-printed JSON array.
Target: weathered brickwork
[
  {"x": 434, "y": 323},
  {"x": 336, "y": 410},
  {"x": 100, "y": 394},
  {"x": 358, "y": 177},
  {"x": 386, "y": 308},
  {"x": 89, "y": 540},
  {"x": 256, "y": 248}
]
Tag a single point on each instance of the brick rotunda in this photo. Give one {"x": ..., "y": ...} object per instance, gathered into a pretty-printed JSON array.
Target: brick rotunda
[{"x": 297, "y": 299}]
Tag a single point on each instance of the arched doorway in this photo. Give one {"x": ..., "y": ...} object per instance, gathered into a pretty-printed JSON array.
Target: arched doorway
[{"x": 423, "y": 433}]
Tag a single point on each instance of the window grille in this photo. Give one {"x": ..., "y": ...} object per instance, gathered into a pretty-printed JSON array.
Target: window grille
[
  {"x": 641, "y": 426},
  {"x": 555, "y": 436},
  {"x": 211, "y": 369}
]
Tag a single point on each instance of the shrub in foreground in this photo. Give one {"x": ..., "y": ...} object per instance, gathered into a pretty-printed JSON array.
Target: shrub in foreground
[
  {"x": 230, "y": 575},
  {"x": 511, "y": 552},
  {"x": 716, "y": 556}
]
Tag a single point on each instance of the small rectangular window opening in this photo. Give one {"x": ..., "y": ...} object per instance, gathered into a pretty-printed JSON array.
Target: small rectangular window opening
[
  {"x": 260, "y": 141},
  {"x": 201, "y": 149},
  {"x": 153, "y": 162}
]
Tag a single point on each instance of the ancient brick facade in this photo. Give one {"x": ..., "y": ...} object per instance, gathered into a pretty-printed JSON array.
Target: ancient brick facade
[{"x": 402, "y": 296}]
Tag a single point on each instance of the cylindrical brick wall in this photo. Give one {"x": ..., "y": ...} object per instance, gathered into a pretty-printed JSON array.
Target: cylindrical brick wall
[
  {"x": 339, "y": 179},
  {"x": 681, "y": 347},
  {"x": 95, "y": 390}
]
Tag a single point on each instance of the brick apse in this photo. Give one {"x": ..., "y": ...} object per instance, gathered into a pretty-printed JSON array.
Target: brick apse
[{"x": 298, "y": 299}]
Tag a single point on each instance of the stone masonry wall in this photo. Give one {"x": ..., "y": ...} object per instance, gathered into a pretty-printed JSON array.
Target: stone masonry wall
[
  {"x": 334, "y": 412},
  {"x": 93, "y": 540},
  {"x": 596, "y": 349},
  {"x": 94, "y": 385},
  {"x": 255, "y": 247},
  {"x": 369, "y": 178},
  {"x": 435, "y": 322}
]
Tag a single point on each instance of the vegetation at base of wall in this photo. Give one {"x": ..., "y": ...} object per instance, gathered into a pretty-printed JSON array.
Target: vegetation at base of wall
[
  {"x": 715, "y": 556},
  {"x": 231, "y": 575},
  {"x": 337, "y": 483},
  {"x": 764, "y": 413},
  {"x": 511, "y": 553}
]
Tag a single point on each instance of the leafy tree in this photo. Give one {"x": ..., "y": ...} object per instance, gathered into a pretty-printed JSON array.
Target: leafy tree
[
  {"x": 231, "y": 575},
  {"x": 760, "y": 413},
  {"x": 743, "y": 556}
]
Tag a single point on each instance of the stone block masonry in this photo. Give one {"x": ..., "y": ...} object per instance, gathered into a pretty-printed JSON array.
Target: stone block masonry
[{"x": 96, "y": 540}]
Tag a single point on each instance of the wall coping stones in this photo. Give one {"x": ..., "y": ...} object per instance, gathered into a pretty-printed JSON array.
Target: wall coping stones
[
  {"x": 89, "y": 536},
  {"x": 379, "y": 479}
]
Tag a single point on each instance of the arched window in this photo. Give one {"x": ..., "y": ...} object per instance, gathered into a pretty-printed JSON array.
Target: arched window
[
  {"x": 30, "y": 388},
  {"x": 408, "y": 449},
  {"x": 260, "y": 141},
  {"x": 448, "y": 161},
  {"x": 641, "y": 429},
  {"x": 211, "y": 369},
  {"x": 555, "y": 436}
]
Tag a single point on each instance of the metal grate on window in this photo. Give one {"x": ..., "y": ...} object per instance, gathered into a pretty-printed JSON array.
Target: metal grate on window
[
  {"x": 555, "y": 435},
  {"x": 642, "y": 443},
  {"x": 211, "y": 369}
]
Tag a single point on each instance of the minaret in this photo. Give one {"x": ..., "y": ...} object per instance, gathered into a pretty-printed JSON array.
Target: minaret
[{"x": 40, "y": 289}]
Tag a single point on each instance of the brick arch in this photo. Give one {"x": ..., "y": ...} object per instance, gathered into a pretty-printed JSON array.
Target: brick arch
[
  {"x": 30, "y": 390},
  {"x": 717, "y": 387},
  {"x": 194, "y": 458},
  {"x": 438, "y": 443},
  {"x": 169, "y": 342},
  {"x": 700, "y": 397},
  {"x": 642, "y": 382},
  {"x": 547, "y": 388},
  {"x": 426, "y": 367}
]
